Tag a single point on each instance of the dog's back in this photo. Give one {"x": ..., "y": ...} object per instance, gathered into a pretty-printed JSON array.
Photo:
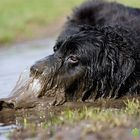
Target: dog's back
[
  {"x": 101, "y": 13},
  {"x": 106, "y": 13}
]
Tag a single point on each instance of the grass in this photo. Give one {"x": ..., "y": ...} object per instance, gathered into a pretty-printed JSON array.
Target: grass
[
  {"x": 114, "y": 117},
  {"x": 21, "y": 18},
  {"x": 132, "y": 3},
  {"x": 99, "y": 119}
]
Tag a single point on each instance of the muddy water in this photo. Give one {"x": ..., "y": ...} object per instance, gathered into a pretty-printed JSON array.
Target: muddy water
[{"x": 14, "y": 60}]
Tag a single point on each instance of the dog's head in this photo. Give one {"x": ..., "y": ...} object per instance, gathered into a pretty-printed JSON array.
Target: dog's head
[{"x": 91, "y": 63}]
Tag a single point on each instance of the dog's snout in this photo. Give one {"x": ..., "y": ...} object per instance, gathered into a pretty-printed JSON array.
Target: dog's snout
[{"x": 42, "y": 65}]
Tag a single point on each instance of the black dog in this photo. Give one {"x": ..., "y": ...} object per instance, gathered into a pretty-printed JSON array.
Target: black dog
[{"x": 97, "y": 55}]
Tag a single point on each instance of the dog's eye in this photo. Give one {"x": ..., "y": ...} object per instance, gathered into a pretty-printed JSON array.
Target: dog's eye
[{"x": 73, "y": 59}]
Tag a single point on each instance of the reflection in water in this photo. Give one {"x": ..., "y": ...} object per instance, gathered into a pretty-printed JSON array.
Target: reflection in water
[{"x": 13, "y": 60}]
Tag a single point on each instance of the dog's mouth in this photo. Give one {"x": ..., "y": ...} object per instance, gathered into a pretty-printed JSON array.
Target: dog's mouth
[
  {"x": 30, "y": 89},
  {"x": 26, "y": 92}
]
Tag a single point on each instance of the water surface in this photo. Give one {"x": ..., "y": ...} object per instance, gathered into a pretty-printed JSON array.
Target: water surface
[{"x": 14, "y": 60}]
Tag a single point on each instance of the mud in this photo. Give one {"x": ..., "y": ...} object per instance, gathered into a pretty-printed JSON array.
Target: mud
[{"x": 34, "y": 124}]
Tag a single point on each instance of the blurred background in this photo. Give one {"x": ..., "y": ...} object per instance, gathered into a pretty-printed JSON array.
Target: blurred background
[
  {"x": 28, "y": 19},
  {"x": 22, "y": 20}
]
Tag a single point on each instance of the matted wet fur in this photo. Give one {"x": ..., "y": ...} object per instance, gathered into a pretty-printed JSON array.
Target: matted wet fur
[{"x": 96, "y": 55}]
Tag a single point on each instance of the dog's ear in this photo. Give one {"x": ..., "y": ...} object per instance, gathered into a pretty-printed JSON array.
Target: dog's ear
[
  {"x": 122, "y": 66},
  {"x": 118, "y": 52}
]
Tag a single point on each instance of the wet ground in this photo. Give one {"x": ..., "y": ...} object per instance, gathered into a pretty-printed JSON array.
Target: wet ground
[
  {"x": 73, "y": 122},
  {"x": 106, "y": 120}
]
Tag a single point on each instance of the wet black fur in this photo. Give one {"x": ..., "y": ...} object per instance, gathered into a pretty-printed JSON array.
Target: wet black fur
[{"x": 106, "y": 39}]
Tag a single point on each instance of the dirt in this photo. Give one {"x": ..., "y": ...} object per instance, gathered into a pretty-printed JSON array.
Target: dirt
[{"x": 34, "y": 123}]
